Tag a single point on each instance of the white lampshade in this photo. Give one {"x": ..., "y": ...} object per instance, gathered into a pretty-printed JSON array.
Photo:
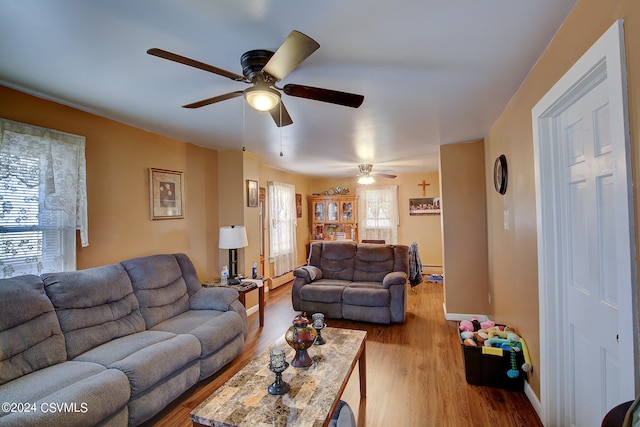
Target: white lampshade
[
  {"x": 366, "y": 179},
  {"x": 233, "y": 237},
  {"x": 262, "y": 97}
]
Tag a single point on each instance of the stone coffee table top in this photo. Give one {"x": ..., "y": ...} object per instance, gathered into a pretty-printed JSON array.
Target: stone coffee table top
[{"x": 315, "y": 391}]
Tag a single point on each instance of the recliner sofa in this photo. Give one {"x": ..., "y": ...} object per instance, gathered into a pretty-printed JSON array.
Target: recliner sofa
[
  {"x": 111, "y": 345},
  {"x": 355, "y": 281}
]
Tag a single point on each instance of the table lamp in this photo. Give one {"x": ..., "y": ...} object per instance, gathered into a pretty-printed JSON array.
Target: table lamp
[{"x": 233, "y": 237}]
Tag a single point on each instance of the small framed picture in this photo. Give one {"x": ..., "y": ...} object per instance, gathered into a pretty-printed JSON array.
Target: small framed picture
[
  {"x": 252, "y": 193},
  {"x": 166, "y": 194},
  {"x": 298, "y": 205}
]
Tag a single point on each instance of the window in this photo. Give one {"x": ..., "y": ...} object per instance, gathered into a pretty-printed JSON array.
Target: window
[
  {"x": 42, "y": 199},
  {"x": 378, "y": 213},
  {"x": 282, "y": 227}
]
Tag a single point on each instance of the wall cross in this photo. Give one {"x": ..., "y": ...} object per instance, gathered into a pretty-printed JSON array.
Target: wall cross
[{"x": 424, "y": 187}]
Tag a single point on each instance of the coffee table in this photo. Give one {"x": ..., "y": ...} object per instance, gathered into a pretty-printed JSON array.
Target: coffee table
[{"x": 315, "y": 391}]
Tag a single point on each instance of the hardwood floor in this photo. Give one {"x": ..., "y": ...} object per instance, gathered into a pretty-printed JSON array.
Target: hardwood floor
[{"x": 415, "y": 371}]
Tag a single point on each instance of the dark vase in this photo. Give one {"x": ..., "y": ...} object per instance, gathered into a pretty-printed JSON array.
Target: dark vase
[{"x": 300, "y": 336}]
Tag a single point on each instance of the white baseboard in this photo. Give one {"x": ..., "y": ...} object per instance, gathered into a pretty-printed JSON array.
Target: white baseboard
[
  {"x": 252, "y": 310},
  {"x": 535, "y": 402},
  {"x": 463, "y": 316}
]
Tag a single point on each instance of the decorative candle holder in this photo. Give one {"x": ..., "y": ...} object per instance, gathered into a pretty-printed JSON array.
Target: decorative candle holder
[
  {"x": 318, "y": 325},
  {"x": 277, "y": 365},
  {"x": 300, "y": 337}
]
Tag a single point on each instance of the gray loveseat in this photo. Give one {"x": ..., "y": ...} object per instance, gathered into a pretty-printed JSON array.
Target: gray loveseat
[
  {"x": 347, "y": 280},
  {"x": 111, "y": 345}
]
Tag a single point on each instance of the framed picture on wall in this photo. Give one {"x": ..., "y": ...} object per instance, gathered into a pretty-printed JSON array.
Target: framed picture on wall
[
  {"x": 298, "y": 205},
  {"x": 424, "y": 206},
  {"x": 252, "y": 193},
  {"x": 166, "y": 189}
]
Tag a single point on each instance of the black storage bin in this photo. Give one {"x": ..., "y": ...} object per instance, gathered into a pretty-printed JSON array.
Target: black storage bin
[{"x": 491, "y": 370}]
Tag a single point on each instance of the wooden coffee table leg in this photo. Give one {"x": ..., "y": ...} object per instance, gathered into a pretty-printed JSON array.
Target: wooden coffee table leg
[{"x": 362, "y": 370}]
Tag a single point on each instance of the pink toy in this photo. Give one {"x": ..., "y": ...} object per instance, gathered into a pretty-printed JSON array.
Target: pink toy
[
  {"x": 473, "y": 325},
  {"x": 488, "y": 324},
  {"x": 466, "y": 325}
]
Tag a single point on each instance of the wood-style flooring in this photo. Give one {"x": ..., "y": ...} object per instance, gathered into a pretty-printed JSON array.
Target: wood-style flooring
[{"x": 415, "y": 371}]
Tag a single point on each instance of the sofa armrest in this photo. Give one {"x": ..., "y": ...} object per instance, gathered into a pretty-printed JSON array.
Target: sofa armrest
[
  {"x": 394, "y": 278},
  {"x": 308, "y": 272},
  {"x": 213, "y": 299}
]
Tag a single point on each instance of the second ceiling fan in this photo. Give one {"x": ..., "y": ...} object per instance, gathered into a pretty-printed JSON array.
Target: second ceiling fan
[{"x": 263, "y": 69}]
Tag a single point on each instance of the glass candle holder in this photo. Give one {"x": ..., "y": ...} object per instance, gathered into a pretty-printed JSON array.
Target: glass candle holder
[
  {"x": 318, "y": 325},
  {"x": 277, "y": 365},
  {"x": 277, "y": 359}
]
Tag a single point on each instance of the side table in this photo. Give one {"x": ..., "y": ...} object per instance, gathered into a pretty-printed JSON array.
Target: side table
[{"x": 245, "y": 286}]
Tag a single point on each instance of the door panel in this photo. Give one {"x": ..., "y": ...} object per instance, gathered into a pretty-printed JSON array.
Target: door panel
[{"x": 590, "y": 282}]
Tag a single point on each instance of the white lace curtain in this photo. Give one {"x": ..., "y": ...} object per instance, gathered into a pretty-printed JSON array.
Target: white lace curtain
[
  {"x": 282, "y": 229},
  {"x": 378, "y": 213},
  {"x": 43, "y": 198}
]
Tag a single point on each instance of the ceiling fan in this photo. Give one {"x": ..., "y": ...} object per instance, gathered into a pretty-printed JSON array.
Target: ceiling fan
[
  {"x": 366, "y": 176},
  {"x": 262, "y": 69}
]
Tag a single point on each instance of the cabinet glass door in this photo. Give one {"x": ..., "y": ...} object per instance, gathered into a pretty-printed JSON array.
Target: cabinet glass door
[
  {"x": 332, "y": 211},
  {"x": 318, "y": 211},
  {"x": 347, "y": 212}
]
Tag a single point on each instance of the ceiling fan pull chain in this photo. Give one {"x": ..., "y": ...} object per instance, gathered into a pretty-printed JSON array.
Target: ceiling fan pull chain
[{"x": 281, "y": 153}]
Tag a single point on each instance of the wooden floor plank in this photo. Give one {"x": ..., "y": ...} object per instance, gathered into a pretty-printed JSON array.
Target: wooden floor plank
[{"x": 415, "y": 371}]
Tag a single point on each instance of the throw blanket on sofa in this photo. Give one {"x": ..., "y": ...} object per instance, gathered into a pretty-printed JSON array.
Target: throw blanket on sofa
[{"x": 415, "y": 265}]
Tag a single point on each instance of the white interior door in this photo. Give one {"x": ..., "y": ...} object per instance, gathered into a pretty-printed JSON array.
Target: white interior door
[
  {"x": 586, "y": 250},
  {"x": 590, "y": 279}
]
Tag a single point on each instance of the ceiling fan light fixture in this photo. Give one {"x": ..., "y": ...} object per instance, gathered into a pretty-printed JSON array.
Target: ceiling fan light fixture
[
  {"x": 261, "y": 97},
  {"x": 366, "y": 179}
]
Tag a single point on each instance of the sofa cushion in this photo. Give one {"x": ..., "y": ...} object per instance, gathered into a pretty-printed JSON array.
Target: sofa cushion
[
  {"x": 30, "y": 335},
  {"x": 337, "y": 260},
  {"x": 373, "y": 262},
  {"x": 159, "y": 286},
  {"x": 94, "y": 306},
  {"x": 324, "y": 290},
  {"x": 214, "y": 329},
  {"x": 218, "y": 298},
  {"x": 189, "y": 273},
  {"x": 146, "y": 357},
  {"x": 94, "y": 393},
  {"x": 369, "y": 294}
]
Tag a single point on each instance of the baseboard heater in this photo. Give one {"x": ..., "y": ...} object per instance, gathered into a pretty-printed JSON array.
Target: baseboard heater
[{"x": 276, "y": 281}]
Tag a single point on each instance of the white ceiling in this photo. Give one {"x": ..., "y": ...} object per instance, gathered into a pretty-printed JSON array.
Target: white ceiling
[{"x": 432, "y": 72}]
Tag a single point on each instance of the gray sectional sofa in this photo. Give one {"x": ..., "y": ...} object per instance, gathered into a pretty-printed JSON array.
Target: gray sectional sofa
[
  {"x": 112, "y": 345},
  {"x": 355, "y": 281}
]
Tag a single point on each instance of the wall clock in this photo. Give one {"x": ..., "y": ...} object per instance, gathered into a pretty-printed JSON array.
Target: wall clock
[{"x": 500, "y": 174}]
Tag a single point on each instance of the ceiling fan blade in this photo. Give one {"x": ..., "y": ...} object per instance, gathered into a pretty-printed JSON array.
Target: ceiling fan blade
[
  {"x": 275, "y": 113},
  {"x": 296, "y": 48},
  {"x": 215, "y": 99},
  {"x": 386, "y": 175},
  {"x": 324, "y": 95},
  {"x": 196, "y": 64}
]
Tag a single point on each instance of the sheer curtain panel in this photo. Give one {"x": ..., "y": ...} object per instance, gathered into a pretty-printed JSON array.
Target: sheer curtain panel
[
  {"x": 282, "y": 227},
  {"x": 43, "y": 199},
  {"x": 378, "y": 213}
]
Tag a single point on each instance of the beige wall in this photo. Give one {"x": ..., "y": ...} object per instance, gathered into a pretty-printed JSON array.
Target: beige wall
[
  {"x": 464, "y": 228},
  {"x": 118, "y": 159},
  {"x": 513, "y": 253}
]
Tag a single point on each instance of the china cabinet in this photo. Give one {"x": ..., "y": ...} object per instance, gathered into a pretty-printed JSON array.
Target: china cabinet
[{"x": 331, "y": 214}]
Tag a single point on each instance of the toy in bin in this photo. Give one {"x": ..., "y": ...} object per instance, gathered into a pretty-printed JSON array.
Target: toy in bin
[{"x": 494, "y": 355}]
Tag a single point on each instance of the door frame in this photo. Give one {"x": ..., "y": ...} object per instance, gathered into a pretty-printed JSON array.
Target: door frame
[{"x": 604, "y": 60}]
